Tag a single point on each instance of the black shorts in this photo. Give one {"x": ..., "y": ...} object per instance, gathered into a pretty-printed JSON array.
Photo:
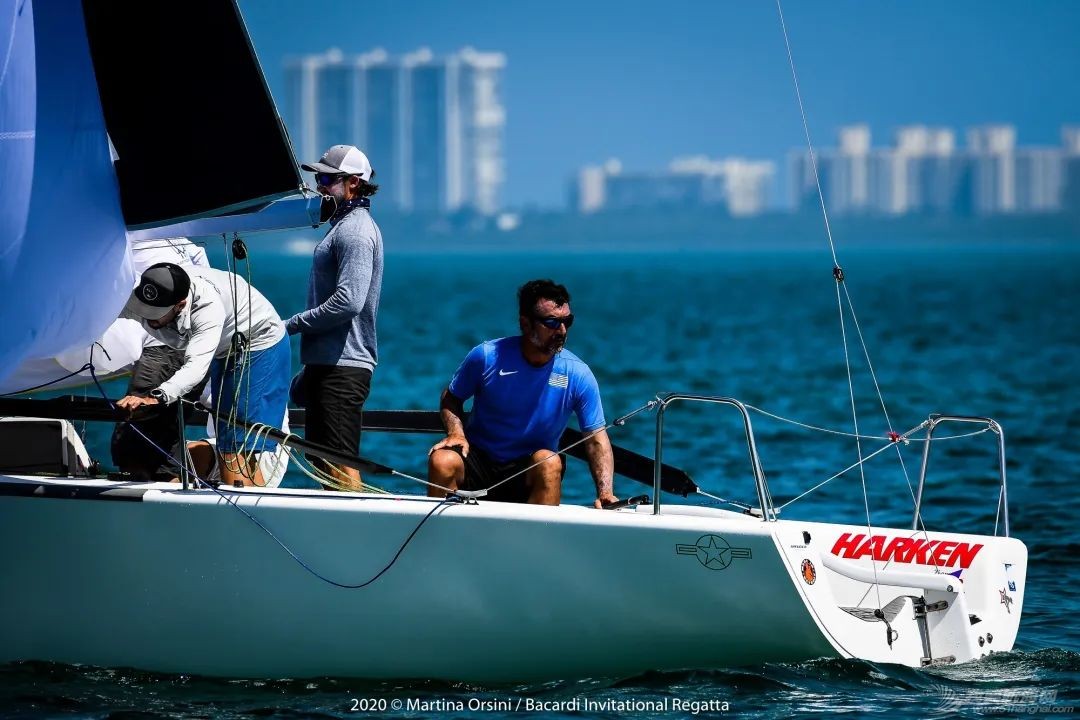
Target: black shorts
[
  {"x": 130, "y": 451},
  {"x": 335, "y": 396},
  {"x": 481, "y": 472}
]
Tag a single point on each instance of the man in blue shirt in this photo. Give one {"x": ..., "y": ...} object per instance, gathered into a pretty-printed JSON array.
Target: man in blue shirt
[{"x": 523, "y": 389}]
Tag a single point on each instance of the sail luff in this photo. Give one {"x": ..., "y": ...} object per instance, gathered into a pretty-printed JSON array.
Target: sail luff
[{"x": 66, "y": 274}]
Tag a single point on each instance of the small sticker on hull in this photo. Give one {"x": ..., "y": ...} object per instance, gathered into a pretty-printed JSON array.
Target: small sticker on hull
[
  {"x": 713, "y": 551},
  {"x": 809, "y": 574}
]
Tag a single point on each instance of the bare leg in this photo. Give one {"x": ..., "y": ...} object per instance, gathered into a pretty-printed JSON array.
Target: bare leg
[
  {"x": 202, "y": 455},
  {"x": 348, "y": 478},
  {"x": 445, "y": 468},
  {"x": 545, "y": 480},
  {"x": 233, "y": 468}
]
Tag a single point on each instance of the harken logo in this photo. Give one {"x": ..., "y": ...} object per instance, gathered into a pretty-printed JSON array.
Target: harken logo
[
  {"x": 713, "y": 551},
  {"x": 149, "y": 293}
]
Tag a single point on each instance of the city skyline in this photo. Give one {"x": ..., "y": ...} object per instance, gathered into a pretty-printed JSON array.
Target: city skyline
[
  {"x": 432, "y": 126},
  {"x": 924, "y": 171},
  {"x": 584, "y": 84}
]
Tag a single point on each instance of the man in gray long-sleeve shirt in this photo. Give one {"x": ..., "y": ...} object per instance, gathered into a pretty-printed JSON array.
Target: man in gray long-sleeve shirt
[{"x": 337, "y": 331}]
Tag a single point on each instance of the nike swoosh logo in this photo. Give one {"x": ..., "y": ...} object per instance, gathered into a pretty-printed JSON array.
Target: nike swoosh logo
[{"x": 504, "y": 372}]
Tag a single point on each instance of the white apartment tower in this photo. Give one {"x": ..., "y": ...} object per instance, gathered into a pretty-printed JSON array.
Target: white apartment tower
[
  {"x": 992, "y": 149},
  {"x": 431, "y": 126},
  {"x": 924, "y": 172},
  {"x": 851, "y": 170}
]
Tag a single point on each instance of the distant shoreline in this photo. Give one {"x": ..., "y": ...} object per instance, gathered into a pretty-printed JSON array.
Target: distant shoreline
[{"x": 694, "y": 231}]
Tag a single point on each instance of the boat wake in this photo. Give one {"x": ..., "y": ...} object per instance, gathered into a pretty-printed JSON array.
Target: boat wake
[{"x": 1019, "y": 682}]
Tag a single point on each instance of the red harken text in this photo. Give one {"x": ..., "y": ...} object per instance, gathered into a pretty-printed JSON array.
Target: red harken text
[{"x": 939, "y": 553}]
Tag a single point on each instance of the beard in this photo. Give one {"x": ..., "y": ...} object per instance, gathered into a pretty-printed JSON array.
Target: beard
[{"x": 552, "y": 346}]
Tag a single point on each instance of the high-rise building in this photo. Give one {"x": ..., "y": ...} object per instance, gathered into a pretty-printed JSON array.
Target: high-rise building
[
  {"x": 740, "y": 186},
  {"x": 1040, "y": 180},
  {"x": 431, "y": 126},
  {"x": 1070, "y": 192},
  {"x": 994, "y": 168},
  {"x": 378, "y": 120},
  {"x": 924, "y": 172},
  {"x": 301, "y": 108}
]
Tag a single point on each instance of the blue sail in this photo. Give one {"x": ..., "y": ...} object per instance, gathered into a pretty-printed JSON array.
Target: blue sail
[
  {"x": 116, "y": 124},
  {"x": 64, "y": 275}
]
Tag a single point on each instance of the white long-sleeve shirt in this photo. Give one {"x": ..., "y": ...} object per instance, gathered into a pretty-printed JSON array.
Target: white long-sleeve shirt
[
  {"x": 204, "y": 329},
  {"x": 177, "y": 250}
]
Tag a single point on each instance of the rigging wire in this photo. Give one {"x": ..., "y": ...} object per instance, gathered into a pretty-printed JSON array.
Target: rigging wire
[
  {"x": 838, "y": 274},
  {"x": 815, "y": 428}
]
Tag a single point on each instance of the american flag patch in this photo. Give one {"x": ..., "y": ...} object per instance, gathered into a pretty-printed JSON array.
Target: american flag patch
[{"x": 559, "y": 381}]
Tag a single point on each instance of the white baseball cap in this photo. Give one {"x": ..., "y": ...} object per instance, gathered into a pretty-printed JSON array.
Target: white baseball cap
[{"x": 342, "y": 159}]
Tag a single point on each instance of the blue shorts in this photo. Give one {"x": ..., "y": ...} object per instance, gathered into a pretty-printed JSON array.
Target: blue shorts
[{"x": 262, "y": 398}]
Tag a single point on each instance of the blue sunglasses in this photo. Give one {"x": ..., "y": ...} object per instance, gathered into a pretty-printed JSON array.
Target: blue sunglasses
[
  {"x": 553, "y": 323},
  {"x": 328, "y": 179}
]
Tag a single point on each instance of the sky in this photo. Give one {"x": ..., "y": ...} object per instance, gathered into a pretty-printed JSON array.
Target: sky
[{"x": 589, "y": 80}]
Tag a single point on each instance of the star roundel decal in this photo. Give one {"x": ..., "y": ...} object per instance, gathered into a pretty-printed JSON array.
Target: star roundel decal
[{"x": 713, "y": 551}]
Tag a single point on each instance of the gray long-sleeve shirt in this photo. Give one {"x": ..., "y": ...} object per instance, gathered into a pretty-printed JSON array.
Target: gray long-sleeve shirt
[{"x": 338, "y": 328}]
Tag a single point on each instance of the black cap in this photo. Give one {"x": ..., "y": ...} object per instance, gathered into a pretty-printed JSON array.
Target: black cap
[{"x": 160, "y": 287}]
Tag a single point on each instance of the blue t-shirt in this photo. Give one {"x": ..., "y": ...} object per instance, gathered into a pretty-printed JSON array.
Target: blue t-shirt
[{"x": 518, "y": 408}]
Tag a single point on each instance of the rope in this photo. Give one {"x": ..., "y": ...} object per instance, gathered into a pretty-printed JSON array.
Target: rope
[
  {"x": 232, "y": 502},
  {"x": 734, "y": 503},
  {"x": 87, "y": 366}
]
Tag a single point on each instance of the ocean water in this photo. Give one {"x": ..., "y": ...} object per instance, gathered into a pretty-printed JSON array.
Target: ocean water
[{"x": 973, "y": 329}]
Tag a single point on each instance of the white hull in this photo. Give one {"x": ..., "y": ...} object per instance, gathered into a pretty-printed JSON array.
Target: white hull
[{"x": 182, "y": 582}]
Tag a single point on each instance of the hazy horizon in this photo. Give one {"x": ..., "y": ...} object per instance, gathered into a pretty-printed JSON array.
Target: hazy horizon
[{"x": 622, "y": 80}]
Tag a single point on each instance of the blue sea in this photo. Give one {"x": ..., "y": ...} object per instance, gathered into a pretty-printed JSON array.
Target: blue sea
[{"x": 987, "y": 329}]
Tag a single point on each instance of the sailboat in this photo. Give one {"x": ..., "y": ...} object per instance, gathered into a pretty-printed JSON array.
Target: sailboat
[{"x": 241, "y": 582}]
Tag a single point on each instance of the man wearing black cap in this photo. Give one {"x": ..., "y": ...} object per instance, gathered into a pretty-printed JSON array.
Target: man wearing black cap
[
  {"x": 222, "y": 324},
  {"x": 130, "y": 446},
  {"x": 337, "y": 330}
]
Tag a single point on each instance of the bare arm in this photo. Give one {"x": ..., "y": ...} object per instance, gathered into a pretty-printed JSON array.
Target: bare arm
[
  {"x": 602, "y": 467},
  {"x": 452, "y": 413}
]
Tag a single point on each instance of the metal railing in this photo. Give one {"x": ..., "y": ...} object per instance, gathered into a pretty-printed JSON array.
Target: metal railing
[
  {"x": 1003, "y": 495},
  {"x": 765, "y": 501}
]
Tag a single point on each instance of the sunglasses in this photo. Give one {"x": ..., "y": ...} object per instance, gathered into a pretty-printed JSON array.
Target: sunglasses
[
  {"x": 328, "y": 179},
  {"x": 553, "y": 323}
]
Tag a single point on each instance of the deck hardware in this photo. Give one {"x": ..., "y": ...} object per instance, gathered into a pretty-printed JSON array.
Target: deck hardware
[
  {"x": 765, "y": 509},
  {"x": 1002, "y": 516}
]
